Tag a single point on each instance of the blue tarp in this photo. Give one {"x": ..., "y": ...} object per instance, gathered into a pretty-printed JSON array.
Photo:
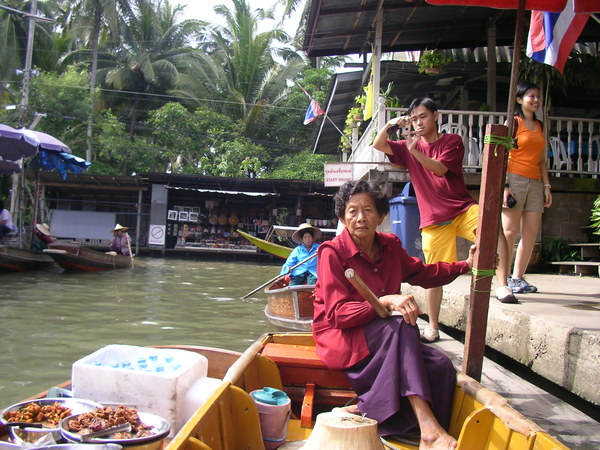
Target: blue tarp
[{"x": 62, "y": 162}]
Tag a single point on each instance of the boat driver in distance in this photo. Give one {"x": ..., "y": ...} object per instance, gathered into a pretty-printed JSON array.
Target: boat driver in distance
[
  {"x": 121, "y": 242},
  {"x": 306, "y": 273}
]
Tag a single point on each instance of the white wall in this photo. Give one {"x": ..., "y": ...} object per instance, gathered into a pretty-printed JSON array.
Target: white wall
[{"x": 82, "y": 224}]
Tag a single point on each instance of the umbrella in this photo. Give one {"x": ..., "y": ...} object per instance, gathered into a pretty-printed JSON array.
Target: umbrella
[
  {"x": 494, "y": 170},
  {"x": 13, "y": 146},
  {"x": 8, "y": 167},
  {"x": 61, "y": 161},
  {"x": 44, "y": 141}
]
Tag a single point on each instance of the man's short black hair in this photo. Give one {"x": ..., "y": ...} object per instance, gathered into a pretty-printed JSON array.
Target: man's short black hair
[{"x": 423, "y": 101}]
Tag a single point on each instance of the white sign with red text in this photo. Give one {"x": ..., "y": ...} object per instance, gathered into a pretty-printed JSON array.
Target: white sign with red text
[{"x": 337, "y": 174}]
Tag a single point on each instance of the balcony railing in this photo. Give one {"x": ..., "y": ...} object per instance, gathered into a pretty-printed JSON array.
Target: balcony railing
[{"x": 573, "y": 144}]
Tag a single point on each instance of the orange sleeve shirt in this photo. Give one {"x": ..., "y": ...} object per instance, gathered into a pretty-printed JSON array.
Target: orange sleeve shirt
[{"x": 525, "y": 160}]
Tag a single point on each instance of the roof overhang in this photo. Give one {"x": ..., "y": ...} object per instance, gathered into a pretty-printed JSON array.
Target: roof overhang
[{"x": 343, "y": 27}]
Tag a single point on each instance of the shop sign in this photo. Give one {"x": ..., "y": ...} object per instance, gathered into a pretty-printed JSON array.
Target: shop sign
[
  {"x": 337, "y": 174},
  {"x": 156, "y": 235}
]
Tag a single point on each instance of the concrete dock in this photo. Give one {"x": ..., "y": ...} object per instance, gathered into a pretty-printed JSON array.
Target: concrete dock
[{"x": 555, "y": 332}]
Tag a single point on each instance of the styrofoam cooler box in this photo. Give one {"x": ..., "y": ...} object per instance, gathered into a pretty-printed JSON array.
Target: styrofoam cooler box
[{"x": 115, "y": 375}]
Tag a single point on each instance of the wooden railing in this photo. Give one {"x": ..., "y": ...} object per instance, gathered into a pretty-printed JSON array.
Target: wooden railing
[{"x": 573, "y": 144}]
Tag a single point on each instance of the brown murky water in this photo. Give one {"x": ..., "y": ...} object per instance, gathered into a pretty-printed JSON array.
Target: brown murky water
[{"x": 49, "y": 318}]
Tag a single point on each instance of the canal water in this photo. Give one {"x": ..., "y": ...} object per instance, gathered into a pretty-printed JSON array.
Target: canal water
[{"x": 50, "y": 318}]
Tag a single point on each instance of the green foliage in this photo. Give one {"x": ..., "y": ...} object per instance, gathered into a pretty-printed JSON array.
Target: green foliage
[
  {"x": 203, "y": 142},
  {"x": 303, "y": 166},
  {"x": 391, "y": 101},
  {"x": 595, "y": 216},
  {"x": 432, "y": 59},
  {"x": 63, "y": 98},
  {"x": 556, "y": 249},
  {"x": 284, "y": 134}
]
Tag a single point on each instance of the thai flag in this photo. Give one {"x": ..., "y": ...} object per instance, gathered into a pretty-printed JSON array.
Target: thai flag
[
  {"x": 313, "y": 111},
  {"x": 553, "y": 35}
]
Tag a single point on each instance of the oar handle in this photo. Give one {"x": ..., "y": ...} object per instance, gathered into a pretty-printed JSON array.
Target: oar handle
[
  {"x": 273, "y": 280},
  {"x": 366, "y": 292}
]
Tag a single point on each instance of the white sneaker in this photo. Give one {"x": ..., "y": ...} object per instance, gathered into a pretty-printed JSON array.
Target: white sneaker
[
  {"x": 505, "y": 295},
  {"x": 430, "y": 335}
]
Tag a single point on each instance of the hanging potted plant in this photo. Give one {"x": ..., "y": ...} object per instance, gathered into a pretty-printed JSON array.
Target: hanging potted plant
[
  {"x": 355, "y": 115},
  {"x": 432, "y": 62},
  {"x": 357, "y": 112}
]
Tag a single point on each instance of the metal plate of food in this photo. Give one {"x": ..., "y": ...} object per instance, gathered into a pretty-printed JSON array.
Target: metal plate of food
[
  {"x": 45, "y": 412},
  {"x": 145, "y": 427}
]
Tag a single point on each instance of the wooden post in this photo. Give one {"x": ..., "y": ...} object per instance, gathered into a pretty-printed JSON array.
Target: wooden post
[{"x": 488, "y": 225}]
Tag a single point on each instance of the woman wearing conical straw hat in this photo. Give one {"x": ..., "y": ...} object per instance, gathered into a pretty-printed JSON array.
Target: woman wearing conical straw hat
[
  {"x": 41, "y": 237},
  {"x": 121, "y": 242}
]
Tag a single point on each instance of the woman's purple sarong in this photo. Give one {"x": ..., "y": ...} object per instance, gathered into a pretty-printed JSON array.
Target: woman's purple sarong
[{"x": 399, "y": 366}]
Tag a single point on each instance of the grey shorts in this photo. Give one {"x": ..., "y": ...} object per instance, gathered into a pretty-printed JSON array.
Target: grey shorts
[{"x": 529, "y": 192}]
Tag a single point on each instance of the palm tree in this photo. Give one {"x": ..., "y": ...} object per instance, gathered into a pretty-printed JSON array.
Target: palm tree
[
  {"x": 236, "y": 71},
  {"x": 154, "y": 47},
  {"x": 13, "y": 42},
  {"x": 94, "y": 14}
]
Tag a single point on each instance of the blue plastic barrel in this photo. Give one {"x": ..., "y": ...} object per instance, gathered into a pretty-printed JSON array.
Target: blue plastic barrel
[{"x": 405, "y": 221}]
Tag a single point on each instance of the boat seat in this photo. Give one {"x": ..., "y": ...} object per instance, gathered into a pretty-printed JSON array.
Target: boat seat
[{"x": 300, "y": 366}]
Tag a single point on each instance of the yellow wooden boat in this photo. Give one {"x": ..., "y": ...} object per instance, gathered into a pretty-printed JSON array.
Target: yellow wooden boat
[
  {"x": 267, "y": 246},
  {"x": 481, "y": 419},
  {"x": 283, "y": 232},
  {"x": 229, "y": 419}
]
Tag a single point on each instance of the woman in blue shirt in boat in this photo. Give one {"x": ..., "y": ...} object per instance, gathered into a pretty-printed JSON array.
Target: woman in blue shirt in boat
[{"x": 306, "y": 235}]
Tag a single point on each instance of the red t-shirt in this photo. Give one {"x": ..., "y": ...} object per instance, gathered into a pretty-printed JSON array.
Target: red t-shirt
[
  {"x": 340, "y": 312},
  {"x": 440, "y": 199}
]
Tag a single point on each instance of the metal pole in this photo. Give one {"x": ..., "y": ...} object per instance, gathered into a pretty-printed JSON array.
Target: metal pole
[
  {"x": 27, "y": 70},
  {"x": 138, "y": 223}
]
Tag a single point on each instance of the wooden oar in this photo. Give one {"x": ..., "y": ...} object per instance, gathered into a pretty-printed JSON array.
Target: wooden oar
[
  {"x": 273, "y": 280},
  {"x": 366, "y": 292},
  {"x": 129, "y": 247}
]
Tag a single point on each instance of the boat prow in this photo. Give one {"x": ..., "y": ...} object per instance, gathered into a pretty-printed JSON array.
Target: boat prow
[
  {"x": 75, "y": 257},
  {"x": 19, "y": 260},
  {"x": 269, "y": 247},
  {"x": 290, "y": 306}
]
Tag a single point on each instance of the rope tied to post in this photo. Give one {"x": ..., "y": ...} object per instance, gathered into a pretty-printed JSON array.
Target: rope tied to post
[
  {"x": 506, "y": 141},
  {"x": 480, "y": 274}
]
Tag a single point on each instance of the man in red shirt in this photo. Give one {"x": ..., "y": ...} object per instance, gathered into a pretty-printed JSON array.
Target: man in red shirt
[{"x": 447, "y": 210}]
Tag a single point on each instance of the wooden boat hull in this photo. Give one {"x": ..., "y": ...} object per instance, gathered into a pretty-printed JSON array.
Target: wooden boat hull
[
  {"x": 77, "y": 258},
  {"x": 269, "y": 247},
  {"x": 481, "y": 419},
  {"x": 229, "y": 419},
  {"x": 290, "y": 306},
  {"x": 19, "y": 260}
]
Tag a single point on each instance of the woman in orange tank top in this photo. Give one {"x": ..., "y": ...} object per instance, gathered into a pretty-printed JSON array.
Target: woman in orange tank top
[{"x": 528, "y": 184}]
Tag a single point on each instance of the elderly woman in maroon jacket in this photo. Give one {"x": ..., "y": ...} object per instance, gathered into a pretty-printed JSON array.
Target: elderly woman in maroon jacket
[{"x": 404, "y": 385}]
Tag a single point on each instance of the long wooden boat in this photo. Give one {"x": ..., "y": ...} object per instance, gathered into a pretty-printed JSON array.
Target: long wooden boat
[
  {"x": 290, "y": 306},
  {"x": 19, "y": 260},
  {"x": 75, "y": 257},
  {"x": 481, "y": 419},
  {"x": 269, "y": 247},
  {"x": 281, "y": 231},
  {"x": 229, "y": 418}
]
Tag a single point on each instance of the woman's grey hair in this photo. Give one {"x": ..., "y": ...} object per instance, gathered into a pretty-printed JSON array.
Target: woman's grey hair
[{"x": 350, "y": 188}]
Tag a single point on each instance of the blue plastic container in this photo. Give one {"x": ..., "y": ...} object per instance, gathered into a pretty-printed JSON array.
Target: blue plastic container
[{"x": 405, "y": 221}]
